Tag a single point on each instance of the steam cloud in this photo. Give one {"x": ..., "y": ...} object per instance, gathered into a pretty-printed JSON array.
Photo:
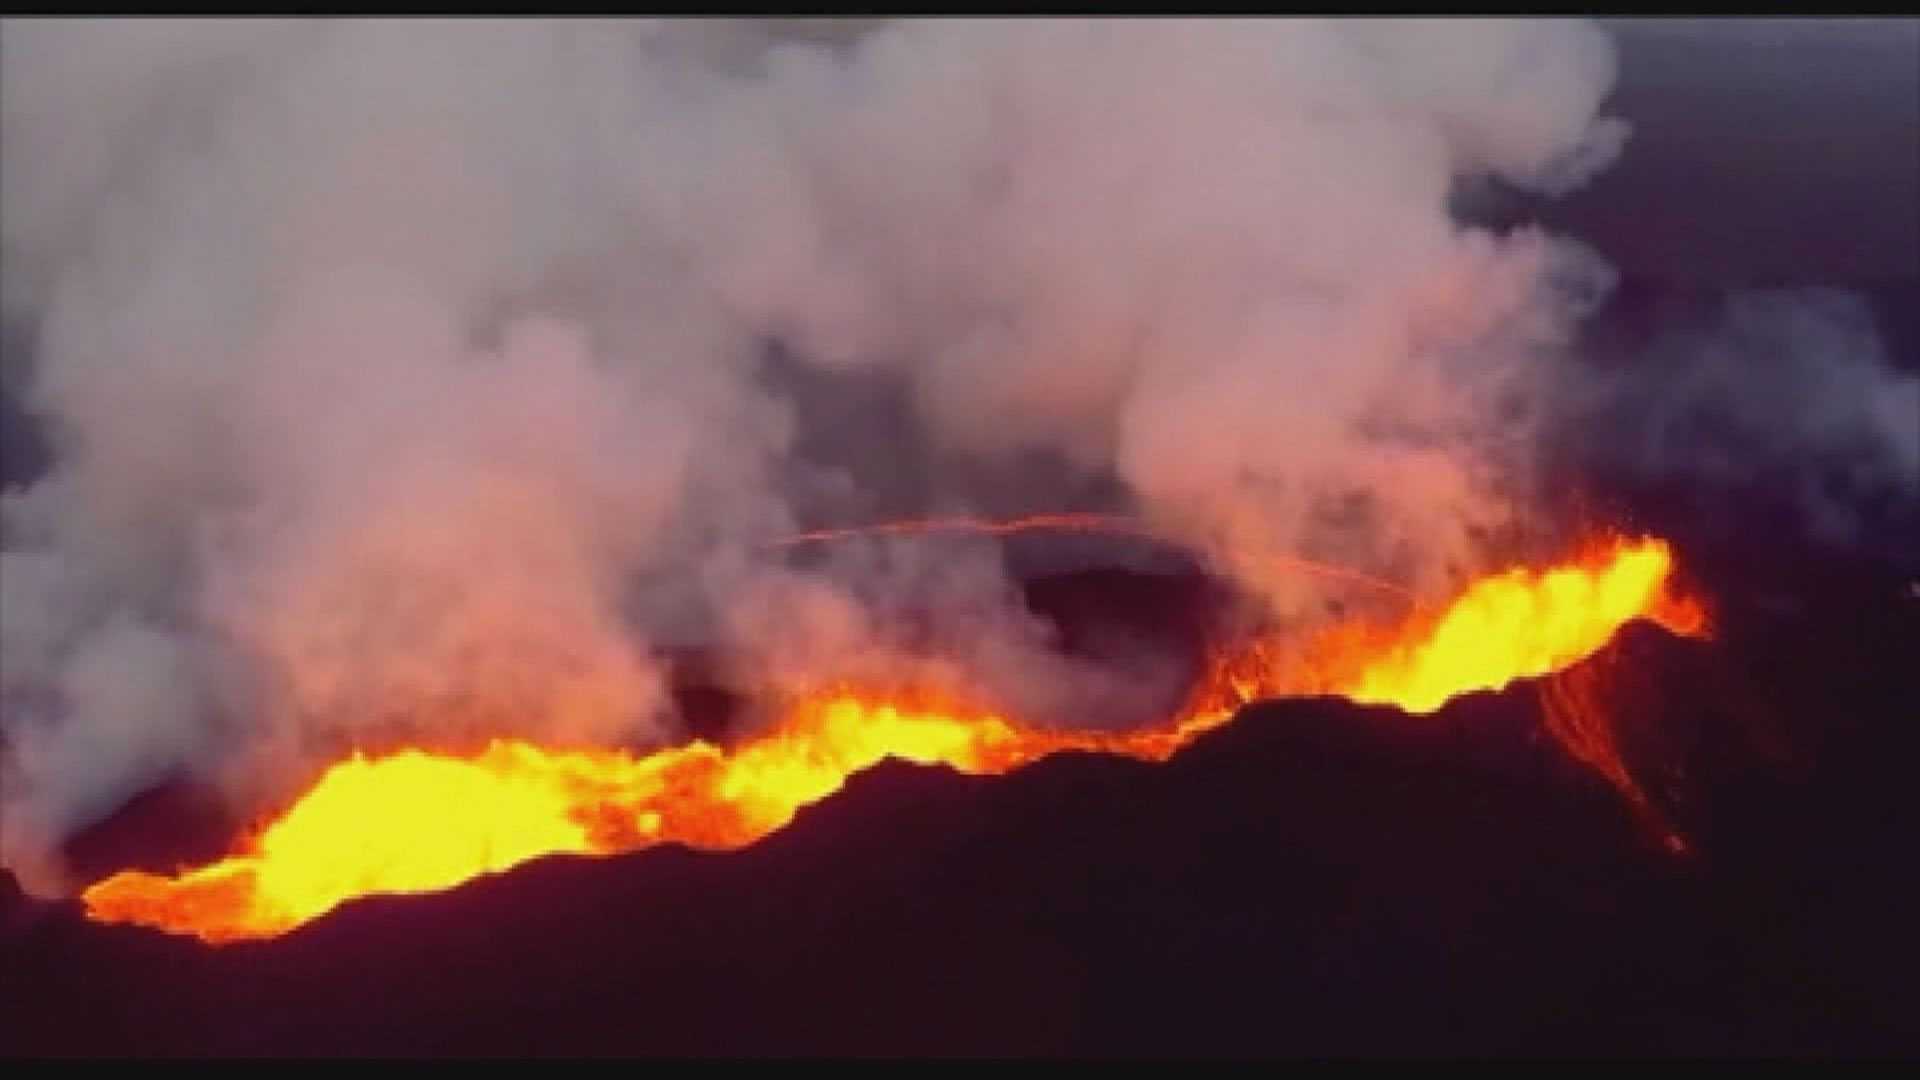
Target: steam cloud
[{"x": 415, "y": 378}]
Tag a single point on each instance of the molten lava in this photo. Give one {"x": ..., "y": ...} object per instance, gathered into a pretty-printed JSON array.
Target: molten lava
[
  {"x": 420, "y": 821},
  {"x": 1517, "y": 625}
]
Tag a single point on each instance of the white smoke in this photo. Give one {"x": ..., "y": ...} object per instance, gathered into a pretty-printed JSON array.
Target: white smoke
[{"x": 383, "y": 358}]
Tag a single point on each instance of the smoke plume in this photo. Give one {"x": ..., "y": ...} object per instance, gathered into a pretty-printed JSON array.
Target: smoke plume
[
  {"x": 419, "y": 380},
  {"x": 1785, "y": 400}
]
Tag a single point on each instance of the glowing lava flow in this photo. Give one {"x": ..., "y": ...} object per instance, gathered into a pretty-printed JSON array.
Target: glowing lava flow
[
  {"x": 419, "y": 821},
  {"x": 1515, "y": 625}
]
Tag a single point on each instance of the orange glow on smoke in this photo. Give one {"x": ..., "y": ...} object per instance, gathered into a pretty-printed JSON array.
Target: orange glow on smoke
[{"x": 420, "y": 821}]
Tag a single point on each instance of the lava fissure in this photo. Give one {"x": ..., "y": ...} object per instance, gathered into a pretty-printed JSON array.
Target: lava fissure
[{"x": 421, "y": 821}]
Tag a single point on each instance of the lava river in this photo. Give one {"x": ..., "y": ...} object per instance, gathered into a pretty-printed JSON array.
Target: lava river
[{"x": 418, "y": 820}]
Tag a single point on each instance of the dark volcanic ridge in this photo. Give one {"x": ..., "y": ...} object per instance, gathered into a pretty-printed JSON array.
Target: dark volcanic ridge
[{"x": 1316, "y": 877}]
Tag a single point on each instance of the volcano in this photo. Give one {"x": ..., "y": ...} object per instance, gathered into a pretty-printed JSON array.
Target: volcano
[
  {"x": 422, "y": 818},
  {"x": 1432, "y": 564},
  {"x": 1315, "y": 877}
]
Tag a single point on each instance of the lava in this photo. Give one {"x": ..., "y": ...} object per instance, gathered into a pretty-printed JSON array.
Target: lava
[
  {"x": 421, "y": 821},
  {"x": 1515, "y": 625}
]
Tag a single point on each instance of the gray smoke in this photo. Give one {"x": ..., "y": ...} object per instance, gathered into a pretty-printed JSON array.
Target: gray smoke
[
  {"x": 414, "y": 378},
  {"x": 1786, "y": 397}
]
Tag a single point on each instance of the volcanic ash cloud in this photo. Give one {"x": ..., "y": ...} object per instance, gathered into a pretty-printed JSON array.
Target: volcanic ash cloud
[{"x": 383, "y": 359}]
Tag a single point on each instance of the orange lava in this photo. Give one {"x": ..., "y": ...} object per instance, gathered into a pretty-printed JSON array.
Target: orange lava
[{"x": 420, "y": 821}]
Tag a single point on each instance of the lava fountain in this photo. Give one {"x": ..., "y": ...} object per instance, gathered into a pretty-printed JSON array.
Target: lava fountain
[{"x": 422, "y": 821}]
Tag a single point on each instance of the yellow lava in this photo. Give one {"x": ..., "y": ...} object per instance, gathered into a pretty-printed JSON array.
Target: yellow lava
[{"x": 1520, "y": 625}]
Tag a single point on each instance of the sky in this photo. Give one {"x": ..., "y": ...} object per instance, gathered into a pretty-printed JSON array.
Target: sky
[{"x": 1767, "y": 150}]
